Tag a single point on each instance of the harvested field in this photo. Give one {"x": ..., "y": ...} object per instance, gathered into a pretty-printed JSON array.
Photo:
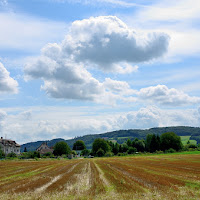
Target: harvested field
[{"x": 136, "y": 177}]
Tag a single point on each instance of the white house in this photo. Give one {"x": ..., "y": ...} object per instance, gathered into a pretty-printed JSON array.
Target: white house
[{"x": 9, "y": 146}]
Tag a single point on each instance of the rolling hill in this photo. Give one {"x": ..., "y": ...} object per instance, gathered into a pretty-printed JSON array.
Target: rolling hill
[{"x": 121, "y": 136}]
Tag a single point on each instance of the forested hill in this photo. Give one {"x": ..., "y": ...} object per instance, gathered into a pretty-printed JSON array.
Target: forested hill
[{"x": 121, "y": 136}]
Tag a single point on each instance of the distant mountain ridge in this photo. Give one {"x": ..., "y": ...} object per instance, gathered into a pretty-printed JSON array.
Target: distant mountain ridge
[{"x": 121, "y": 136}]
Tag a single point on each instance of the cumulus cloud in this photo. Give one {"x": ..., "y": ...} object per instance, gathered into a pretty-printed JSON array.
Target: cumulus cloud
[
  {"x": 162, "y": 95},
  {"x": 66, "y": 122},
  {"x": 104, "y": 42},
  {"x": 152, "y": 116},
  {"x": 7, "y": 84}
]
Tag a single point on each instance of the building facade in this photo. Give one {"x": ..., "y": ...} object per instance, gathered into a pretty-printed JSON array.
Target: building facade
[
  {"x": 9, "y": 146},
  {"x": 43, "y": 148}
]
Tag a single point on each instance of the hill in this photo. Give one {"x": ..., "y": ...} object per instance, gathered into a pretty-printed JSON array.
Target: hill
[{"x": 121, "y": 136}]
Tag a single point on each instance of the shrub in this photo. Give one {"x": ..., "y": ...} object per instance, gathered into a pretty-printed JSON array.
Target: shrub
[
  {"x": 108, "y": 154},
  {"x": 131, "y": 150},
  {"x": 171, "y": 150},
  {"x": 11, "y": 155},
  {"x": 122, "y": 154},
  {"x": 100, "y": 152},
  {"x": 48, "y": 155},
  {"x": 85, "y": 152}
]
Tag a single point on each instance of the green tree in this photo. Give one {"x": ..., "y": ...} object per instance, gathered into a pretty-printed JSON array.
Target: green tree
[
  {"x": 11, "y": 155},
  {"x": 85, "y": 152},
  {"x": 2, "y": 155},
  {"x": 128, "y": 142},
  {"x": 100, "y": 143},
  {"x": 152, "y": 143},
  {"x": 100, "y": 152},
  {"x": 115, "y": 148},
  {"x": 61, "y": 148},
  {"x": 79, "y": 145},
  {"x": 148, "y": 142},
  {"x": 170, "y": 140},
  {"x": 140, "y": 145},
  {"x": 25, "y": 150},
  {"x": 132, "y": 150}
]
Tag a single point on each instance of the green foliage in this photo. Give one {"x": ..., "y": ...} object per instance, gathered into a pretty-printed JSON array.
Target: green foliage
[
  {"x": 171, "y": 150},
  {"x": 48, "y": 155},
  {"x": 128, "y": 142},
  {"x": 85, "y": 152},
  {"x": 73, "y": 152},
  {"x": 100, "y": 152},
  {"x": 132, "y": 150},
  {"x": 61, "y": 148},
  {"x": 2, "y": 155},
  {"x": 122, "y": 154},
  {"x": 170, "y": 140},
  {"x": 152, "y": 143},
  {"x": 30, "y": 154},
  {"x": 140, "y": 145},
  {"x": 100, "y": 144},
  {"x": 115, "y": 149},
  {"x": 108, "y": 154},
  {"x": 11, "y": 155},
  {"x": 125, "y": 148},
  {"x": 79, "y": 145}
]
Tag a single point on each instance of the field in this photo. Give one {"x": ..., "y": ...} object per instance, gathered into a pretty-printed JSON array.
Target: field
[
  {"x": 184, "y": 140},
  {"x": 170, "y": 176}
]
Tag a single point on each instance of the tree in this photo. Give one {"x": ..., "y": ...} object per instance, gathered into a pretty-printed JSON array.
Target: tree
[
  {"x": 140, "y": 146},
  {"x": 25, "y": 150},
  {"x": 115, "y": 148},
  {"x": 125, "y": 148},
  {"x": 170, "y": 140},
  {"x": 148, "y": 142},
  {"x": 132, "y": 150},
  {"x": 85, "y": 152},
  {"x": 61, "y": 148},
  {"x": 2, "y": 155},
  {"x": 152, "y": 143},
  {"x": 100, "y": 152},
  {"x": 79, "y": 145},
  {"x": 100, "y": 143},
  {"x": 12, "y": 155},
  {"x": 128, "y": 142}
]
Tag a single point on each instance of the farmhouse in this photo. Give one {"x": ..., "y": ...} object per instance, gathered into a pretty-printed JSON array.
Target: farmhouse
[
  {"x": 9, "y": 146},
  {"x": 43, "y": 148}
]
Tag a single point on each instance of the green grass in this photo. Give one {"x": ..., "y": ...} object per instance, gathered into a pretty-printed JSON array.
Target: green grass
[{"x": 184, "y": 140}]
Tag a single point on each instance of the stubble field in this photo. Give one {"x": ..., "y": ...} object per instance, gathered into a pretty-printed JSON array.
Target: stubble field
[{"x": 137, "y": 177}]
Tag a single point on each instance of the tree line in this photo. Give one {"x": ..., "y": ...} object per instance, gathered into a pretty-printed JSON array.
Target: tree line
[{"x": 166, "y": 142}]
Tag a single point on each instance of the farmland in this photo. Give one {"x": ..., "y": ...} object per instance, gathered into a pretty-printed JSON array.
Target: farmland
[{"x": 170, "y": 176}]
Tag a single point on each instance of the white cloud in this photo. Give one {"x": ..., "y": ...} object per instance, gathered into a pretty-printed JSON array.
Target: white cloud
[
  {"x": 162, "y": 95},
  {"x": 104, "y": 42},
  {"x": 7, "y": 84},
  {"x": 179, "y": 19},
  {"x": 152, "y": 116},
  {"x": 65, "y": 122}
]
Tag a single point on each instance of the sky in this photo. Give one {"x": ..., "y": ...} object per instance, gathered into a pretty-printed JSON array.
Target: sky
[{"x": 74, "y": 67}]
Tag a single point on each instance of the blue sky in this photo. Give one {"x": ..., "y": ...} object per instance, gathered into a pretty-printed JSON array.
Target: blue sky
[{"x": 70, "y": 68}]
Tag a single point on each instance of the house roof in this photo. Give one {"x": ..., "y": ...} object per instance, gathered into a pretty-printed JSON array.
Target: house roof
[{"x": 8, "y": 142}]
